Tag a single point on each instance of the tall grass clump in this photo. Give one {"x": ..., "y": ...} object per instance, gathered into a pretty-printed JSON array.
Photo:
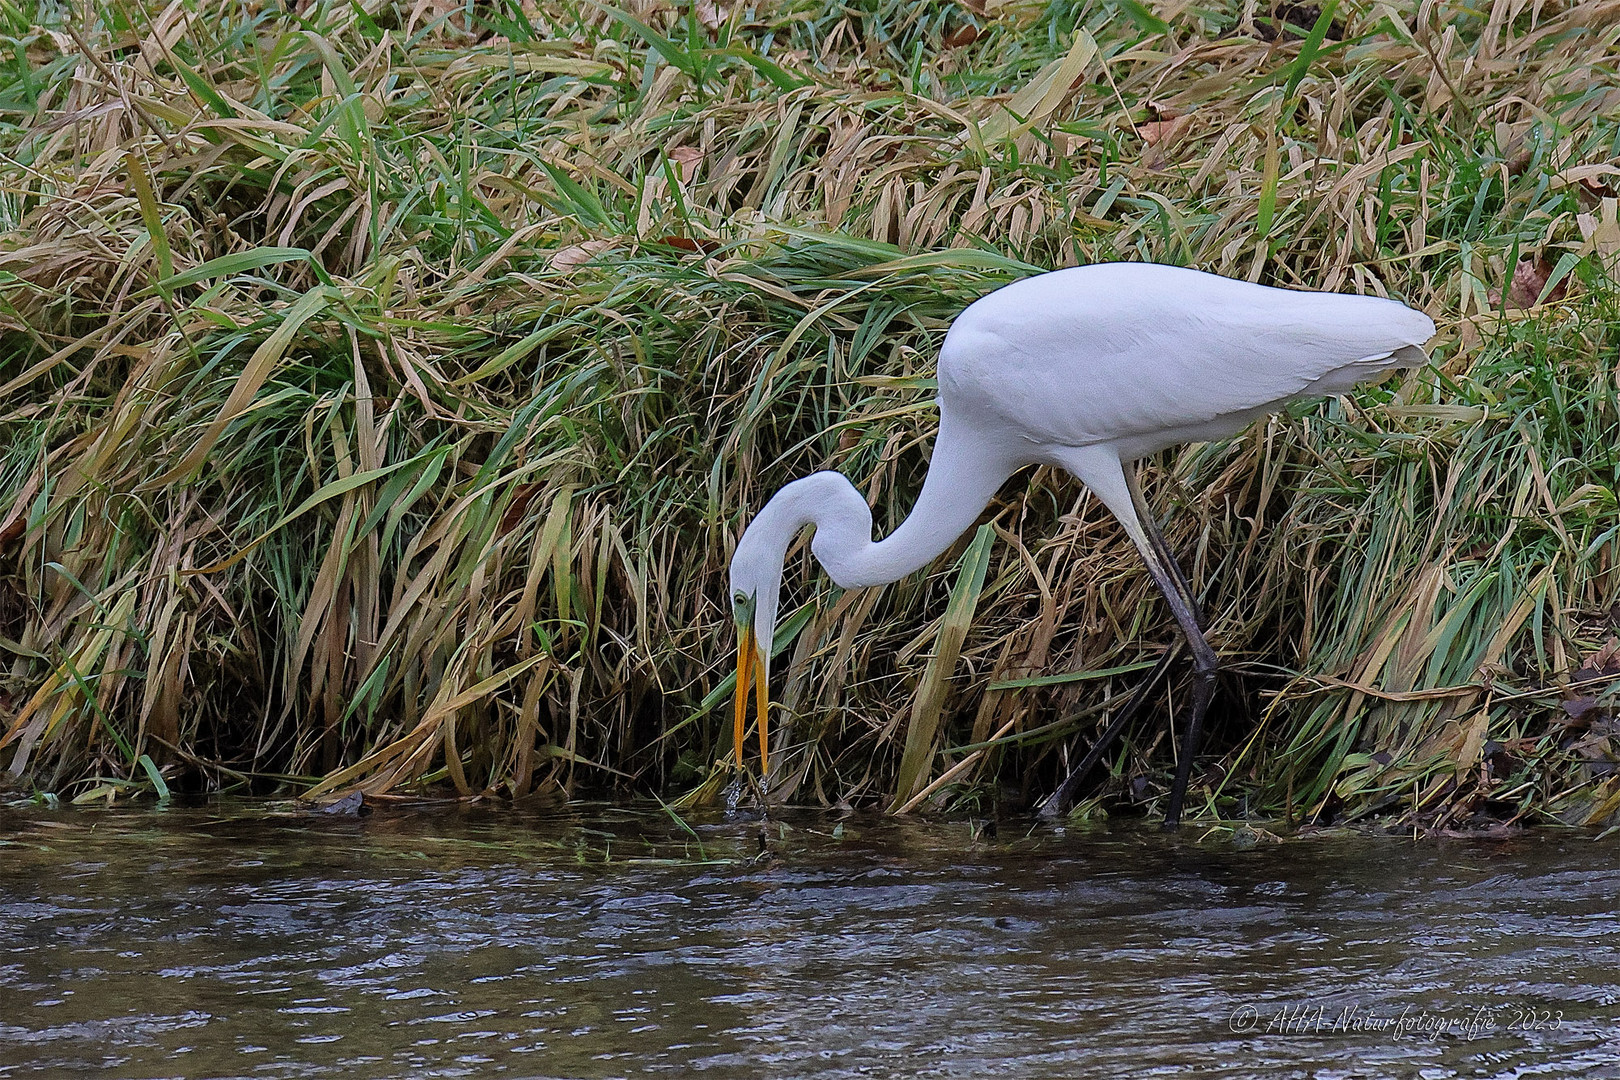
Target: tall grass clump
[{"x": 382, "y": 389}]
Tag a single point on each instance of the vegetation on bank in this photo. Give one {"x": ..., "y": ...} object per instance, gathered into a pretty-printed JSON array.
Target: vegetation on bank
[{"x": 383, "y": 387}]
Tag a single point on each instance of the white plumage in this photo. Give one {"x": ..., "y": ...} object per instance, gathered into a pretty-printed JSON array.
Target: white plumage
[
  {"x": 1090, "y": 369},
  {"x": 1145, "y": 356}
]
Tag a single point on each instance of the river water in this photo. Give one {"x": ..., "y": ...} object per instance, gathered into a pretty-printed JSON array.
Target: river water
[{"x": 608, "y": 942}]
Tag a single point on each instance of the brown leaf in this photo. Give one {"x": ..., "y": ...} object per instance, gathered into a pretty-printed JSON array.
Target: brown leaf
[
  {"x": 687, "y": 243},
  {"x": 519, "y": 506},
  {"x": 1160, "y": 137},
  {"x": 1529, "y": 278},
  {"x": 966, "y": 34},
  {"x": 711, "y": 14},
  {"x": 1593, "y": 188},
  {"x": 1164, "y": 132},
  {"x": 686, "y": 159},
  {"x": 1602, "y": 664},
  {"x": 578, "y": 254},
  {"x": 1581, "y": 708}
]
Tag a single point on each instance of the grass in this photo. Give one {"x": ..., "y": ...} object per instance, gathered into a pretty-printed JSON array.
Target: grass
[{"x": 383, "y": 389}]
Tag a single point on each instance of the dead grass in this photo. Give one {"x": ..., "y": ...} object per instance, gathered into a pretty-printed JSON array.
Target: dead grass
[{"x": 383, "y": 389}]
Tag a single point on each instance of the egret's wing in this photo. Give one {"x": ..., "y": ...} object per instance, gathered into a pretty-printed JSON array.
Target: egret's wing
[{"x": 1125, "y": 351}]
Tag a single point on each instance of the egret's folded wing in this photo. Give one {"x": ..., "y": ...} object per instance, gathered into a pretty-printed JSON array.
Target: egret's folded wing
[{"x": 1147, "y": 349}]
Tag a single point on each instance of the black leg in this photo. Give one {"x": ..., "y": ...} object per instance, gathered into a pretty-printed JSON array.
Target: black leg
[
  {"x": 1204, "y": 665},
  {"x": 1189, "y": 613},
  {"x": 1058, "y": 803},
  {"x": 1203, "y": 690},
  {"x": 1114, "y": 481}
]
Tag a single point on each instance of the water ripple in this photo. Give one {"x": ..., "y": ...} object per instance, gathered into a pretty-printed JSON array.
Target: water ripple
[{"x": 607, "y": 943}]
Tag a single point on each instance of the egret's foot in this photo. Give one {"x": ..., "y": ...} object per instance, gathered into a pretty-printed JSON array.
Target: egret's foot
[{"x": 745, "y": 792}]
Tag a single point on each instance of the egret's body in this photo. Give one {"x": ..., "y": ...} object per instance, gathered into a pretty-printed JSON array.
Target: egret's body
[{"x": 1089, "y": 369}]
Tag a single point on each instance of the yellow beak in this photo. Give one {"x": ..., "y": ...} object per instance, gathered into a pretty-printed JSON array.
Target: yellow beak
[{"x": 748, "y": 668}]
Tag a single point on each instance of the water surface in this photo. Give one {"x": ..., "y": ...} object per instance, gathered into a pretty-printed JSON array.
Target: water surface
[{"x": 598, "y": 942}]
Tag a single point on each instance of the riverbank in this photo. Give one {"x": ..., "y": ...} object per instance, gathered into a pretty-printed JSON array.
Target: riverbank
[{"x": 382, "y": 396}]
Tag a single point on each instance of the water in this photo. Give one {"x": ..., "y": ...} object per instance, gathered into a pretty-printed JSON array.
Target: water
[{"x": 423, "y": 942}]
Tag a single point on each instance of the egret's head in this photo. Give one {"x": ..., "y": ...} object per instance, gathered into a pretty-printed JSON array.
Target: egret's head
[
  {"x": 757, "y": 582},
  {"x": 756, "y": 585},
  {"x": 756, "y": 573}
]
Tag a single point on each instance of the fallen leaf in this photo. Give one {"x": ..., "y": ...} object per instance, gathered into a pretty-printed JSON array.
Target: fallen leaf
[
  {"x": 710, "y": 14},
  {"x": 1164, "y": 132},
  {"x": 1601, "y": 665},
  {"x": 687, "y": 243},
  {"x": 686, "y": 159},
  {"x": 966, "y": 34},
  {"x": 1581, "y": 708},
  {"x": 1592, "y": 178},
  {"x": 1160, "y": 137},
  {"x": 578, "y": 254},
  {"x": 1529, "y": 278},
  {"x": 349, "y": 806},
  {"x": 518, "y": 506}
]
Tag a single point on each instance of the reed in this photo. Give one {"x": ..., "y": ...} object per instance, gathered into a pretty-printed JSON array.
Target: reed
[{"x": 383, "y": 388}]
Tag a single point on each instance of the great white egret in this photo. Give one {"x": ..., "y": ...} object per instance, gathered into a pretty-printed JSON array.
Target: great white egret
[{"x": 1089, "y": 368}]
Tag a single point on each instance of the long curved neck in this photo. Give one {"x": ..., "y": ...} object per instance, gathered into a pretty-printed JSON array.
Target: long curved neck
[
  {"x": 967, "y": 468},
  {"x": 962, "y": 478}
]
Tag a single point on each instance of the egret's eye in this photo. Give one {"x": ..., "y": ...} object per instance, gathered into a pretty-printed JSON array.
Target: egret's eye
[{"x": 739, "y": 598}]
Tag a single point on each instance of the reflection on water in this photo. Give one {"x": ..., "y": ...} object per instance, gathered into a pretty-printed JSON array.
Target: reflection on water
[{"x": 602, "y": 943}]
